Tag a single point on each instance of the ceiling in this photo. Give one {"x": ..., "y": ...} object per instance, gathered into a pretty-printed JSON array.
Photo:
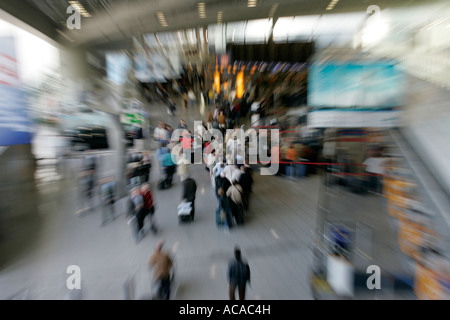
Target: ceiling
[{"x": 113, "y": 21}]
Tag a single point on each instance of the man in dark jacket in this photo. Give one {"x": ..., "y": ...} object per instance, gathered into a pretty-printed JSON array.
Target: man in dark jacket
[
  {"x": 238, "y": 275},
  {"x": 246, "y": 182},
  {"x": 222, "y": 185},
  {"x": 189, "y": 191}
]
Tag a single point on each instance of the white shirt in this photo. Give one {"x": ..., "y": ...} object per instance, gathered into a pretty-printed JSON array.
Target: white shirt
[
  {"x": 255, "y": 106},
  {"x": 375, "y": 165},
  {"x": 231, "y": 172},
  {"x": 161, "y": 133},
  {"x": 218, "y": 169}
]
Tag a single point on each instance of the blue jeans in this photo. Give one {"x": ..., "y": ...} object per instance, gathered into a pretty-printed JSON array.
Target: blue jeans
[
  {"x": 291, "y": 170},
  {"x": 223, "y": 205}
]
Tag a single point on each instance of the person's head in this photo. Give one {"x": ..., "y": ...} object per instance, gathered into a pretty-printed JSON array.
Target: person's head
[
  {"x": 235, "y": 182},
  {"x": 237, "y": 253},
  {"x": 161, "y": 124}
]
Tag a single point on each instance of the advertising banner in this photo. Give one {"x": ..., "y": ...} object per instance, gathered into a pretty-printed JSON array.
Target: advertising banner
[
  {"x": 14, "y": 122},
  {"x": 359, "y": 84}
]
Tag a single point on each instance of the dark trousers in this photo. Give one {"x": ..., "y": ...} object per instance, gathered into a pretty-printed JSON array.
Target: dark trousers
[
  {"x": 237, "y": 211},
  {"x": 241, "y": 290},
  {"x": 246, "y": 199},
  {"x": 164, "y": 289},
  {"x": 225, "y": 206},
  {"x": 170, "y": 170},
  {"x": 140, "y": 216}
]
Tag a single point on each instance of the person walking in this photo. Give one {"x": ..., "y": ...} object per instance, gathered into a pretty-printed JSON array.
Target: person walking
[
  {"x": 149, "y": 205},
  {"x": 292, "y": 156},
  {"x": 169, "y": 168},
  {"x": 146, "y": 165},
  {"x": 136, "y": 212},
  {"x": 246, "y": 182},
  {"x": 185, "y": 98},
  {"x": 108, "y": 197},
  {"x": 189, "y": 191},
  {"x": 162, "y": 264},
  {"x": 222, "y": 120},
  {"x": 171, "y": 107},
  {"x": 223, "y": 206},
  {"x": 238, "y": 275},
  {"x": 161, "y": 134},
  {"x": 182, "y": 125},
  {"x": 209, "y": 118},
  {"x": 191, "y": 96},
  {"x": 234, "y": 194}
]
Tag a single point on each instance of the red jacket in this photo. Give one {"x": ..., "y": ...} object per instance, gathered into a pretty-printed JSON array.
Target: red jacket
[{"x": 148, "y": 199}]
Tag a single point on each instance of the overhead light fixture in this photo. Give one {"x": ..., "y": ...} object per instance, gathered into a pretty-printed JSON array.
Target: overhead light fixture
[
  {"x": 79, "y": 7},
  {"x": 251, "y": 3},
  {"x": 201, "y": 7},
  {"x": 332, "y": 4},
  {"x": 272, "y": 10},
  {"x": 219, "y": 17},
  {"x": 162, "y": 19},
  {"x": 64, "y": 35}
]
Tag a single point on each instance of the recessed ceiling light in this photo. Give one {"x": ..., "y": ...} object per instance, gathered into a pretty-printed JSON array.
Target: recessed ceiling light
[
  {"x": 332, "y": 4},
  {"x": 79, "y": 7},
  {"x": 161, "y": 19},
  {"x": 201, "y": 6},
  {"x": 251, "y": 3}
]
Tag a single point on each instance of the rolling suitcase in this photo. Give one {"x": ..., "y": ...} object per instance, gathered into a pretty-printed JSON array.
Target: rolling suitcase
[{"x": 185, "y": 212}]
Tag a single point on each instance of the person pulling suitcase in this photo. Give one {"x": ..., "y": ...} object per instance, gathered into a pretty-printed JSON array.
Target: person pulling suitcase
[{"x": 189, "y": 191}]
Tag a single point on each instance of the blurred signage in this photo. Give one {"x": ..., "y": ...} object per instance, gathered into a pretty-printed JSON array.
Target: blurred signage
[
  {"x": 14, "y": 121},
  {"x": 132, "y": 118},
  {"x": 357, "y": 85},
  {"x": 118, "y": 65},
  {"x": 344, "y": 118}
]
